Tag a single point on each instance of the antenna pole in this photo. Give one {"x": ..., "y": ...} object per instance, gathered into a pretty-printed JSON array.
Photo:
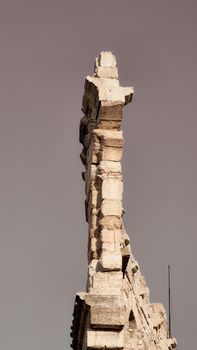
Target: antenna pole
[{"x": 169, "y": 301}]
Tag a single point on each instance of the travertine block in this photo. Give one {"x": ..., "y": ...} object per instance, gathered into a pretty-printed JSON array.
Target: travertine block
[
  {"x": 107, "y": 317},
  {"x": 107, "y": 301},
  {"x": 110, "y": 222},
  {"x": 97, "y": 84},
  {"x": 107, "y": 72},
  {"x": 111, "y": 236},
  {"x": 109, "y": 247},
  {"x": 101, "y": 339},
  {"x": 111, "y": 153},
  {"x": 112, "y": 189},
  {"x": 116, "y": 94},
  {"x": 111, "y": 207},
  {"x": 117, "y": 297},
  {"x": 106, "y": 59},
  {"x": 106, "y": 135},
  {"x": 110, "y": 261},
  {"x": 110, "y": 111},
  {"x": 107, "y": 167},
  {"x": 109, "y": 84},
  {"x": 109, "y": 124},
  {"x": 106, "y": 283},
  {"x": 112, "y": 141}
]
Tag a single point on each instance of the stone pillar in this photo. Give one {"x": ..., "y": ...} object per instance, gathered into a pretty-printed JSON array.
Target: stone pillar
[{"x": 115, "y": 311}]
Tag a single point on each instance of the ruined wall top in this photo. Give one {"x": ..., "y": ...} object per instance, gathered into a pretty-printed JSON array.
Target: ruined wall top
[
  {"x": 103, "y": 89},
  {"x": 115, "y": 311}
]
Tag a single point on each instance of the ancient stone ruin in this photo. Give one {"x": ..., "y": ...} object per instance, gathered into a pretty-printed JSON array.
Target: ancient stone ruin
[{"x": 115, "y": 311}]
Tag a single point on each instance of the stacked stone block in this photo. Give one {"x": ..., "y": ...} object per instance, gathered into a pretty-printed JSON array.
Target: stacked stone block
[{"x": 115, "y": 312}]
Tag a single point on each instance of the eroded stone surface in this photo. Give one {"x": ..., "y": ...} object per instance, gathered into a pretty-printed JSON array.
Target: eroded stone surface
[{"x": 115, "y": 312}]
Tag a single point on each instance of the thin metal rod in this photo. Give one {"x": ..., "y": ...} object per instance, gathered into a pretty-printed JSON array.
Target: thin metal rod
[{"x": 169, "y": 300}]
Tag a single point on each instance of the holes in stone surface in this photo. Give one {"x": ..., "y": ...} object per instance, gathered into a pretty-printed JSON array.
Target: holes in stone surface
[
  {"x": 132, "y": 322},
  {"x": 125, "y": 259},
  {"x": 131, "y": 316}
]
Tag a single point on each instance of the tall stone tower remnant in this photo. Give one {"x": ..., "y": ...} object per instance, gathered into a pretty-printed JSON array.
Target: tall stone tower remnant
[{"x": 115, "y": 311}]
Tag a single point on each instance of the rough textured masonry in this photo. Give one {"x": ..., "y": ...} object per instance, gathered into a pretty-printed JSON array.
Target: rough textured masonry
[{"x": 115, "y": 312}]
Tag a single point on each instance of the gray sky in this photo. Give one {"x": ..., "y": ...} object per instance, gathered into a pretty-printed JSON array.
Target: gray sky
[{"x": 47, "y": 49}]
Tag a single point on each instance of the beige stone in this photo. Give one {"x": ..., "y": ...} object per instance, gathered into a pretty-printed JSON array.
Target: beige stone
[
  {"x": 107, "y": 283},
  {"x": 112, "y": 189},
  {"x": 109, "y": 124},
  {"x": 109, "y": 169},
  {"x": 110, "y": 222},
  {"x": 110, "y": 261},
  {"x": 93, "y": 244},
  {"x": 108, "y": 134},
  {"x": 92, "y": 267},
  {"x": 116, "y": 142},
  {"x": 112, "y": 317},
  {"x": 101, "y": 339},
  {"x": 111, "y": 247},
  {"x": 115, "y": 312},
  {"x": 107, "y": 72},
  {"x": 116, "y": 94},
  {"x": 111, "y": 236},
  {"x": 111, "y": 207},
  {"x": 111, "y": 111},
  {"x": 107, "y": 59},
  {"x": 111, "y": 153}
]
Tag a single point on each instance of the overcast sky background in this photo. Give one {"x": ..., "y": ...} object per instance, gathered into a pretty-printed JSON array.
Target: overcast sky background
[{"x": 47, "y": 49}]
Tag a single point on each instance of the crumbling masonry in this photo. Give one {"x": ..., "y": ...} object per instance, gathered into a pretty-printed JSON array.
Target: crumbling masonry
[{"x": 115, "y": 312}]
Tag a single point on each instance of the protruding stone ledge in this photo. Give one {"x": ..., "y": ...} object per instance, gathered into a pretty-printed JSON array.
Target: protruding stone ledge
[
  {"x": 115, "y": 313},
  {"x": 100, "y": 312},
  {"x": 106, "y": 311}
]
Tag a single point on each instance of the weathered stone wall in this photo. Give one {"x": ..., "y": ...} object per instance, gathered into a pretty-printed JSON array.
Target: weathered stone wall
[{"x": 115, "y": 312}]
